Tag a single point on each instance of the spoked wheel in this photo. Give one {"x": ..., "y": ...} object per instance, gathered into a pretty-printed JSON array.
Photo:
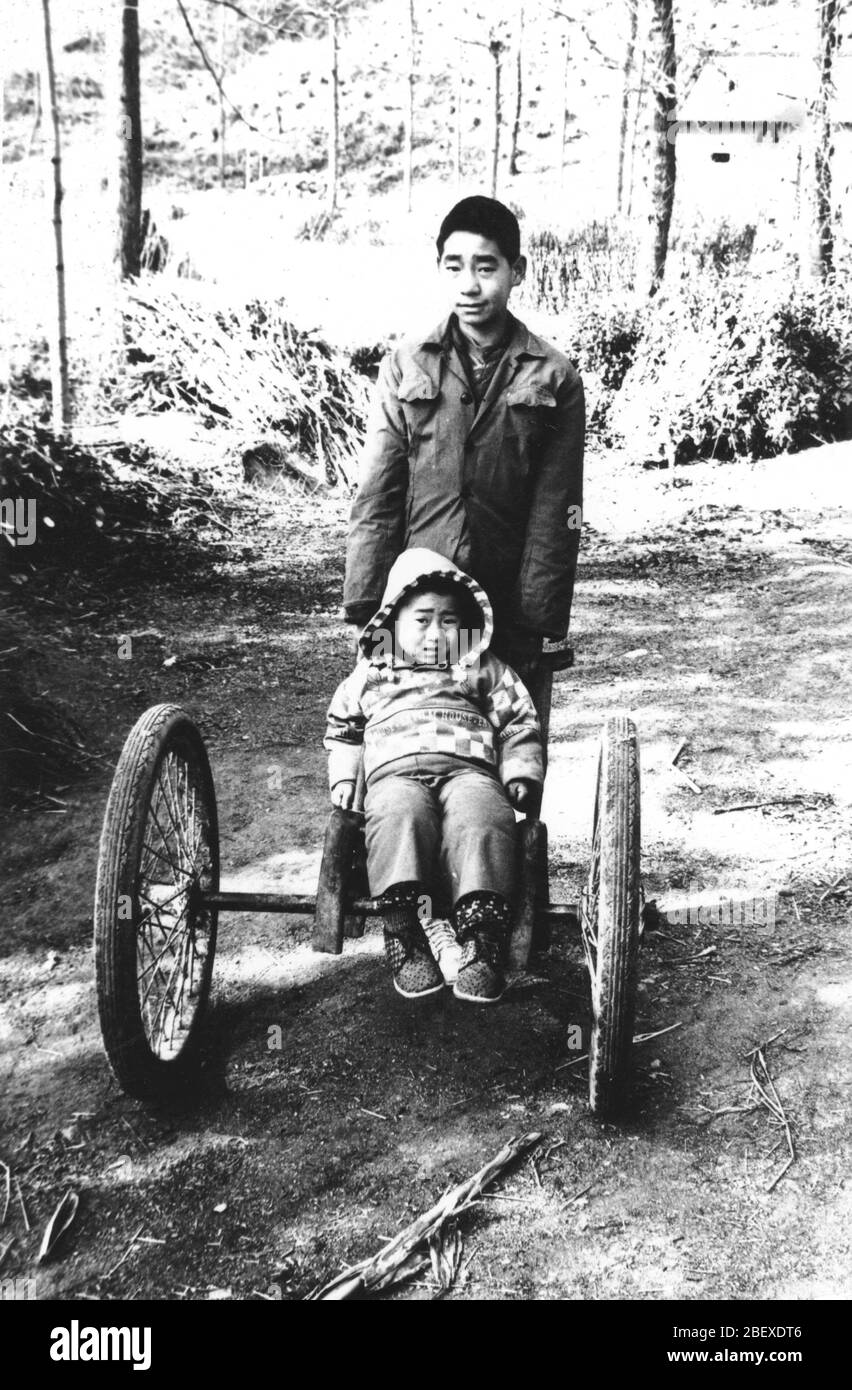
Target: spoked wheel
[
  {"x": 154, "y": 939},
  {"x": 609, "y": 913}
]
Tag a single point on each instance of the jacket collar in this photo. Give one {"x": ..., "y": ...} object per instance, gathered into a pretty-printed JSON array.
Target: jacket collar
[{"x": 522, "y": 344}]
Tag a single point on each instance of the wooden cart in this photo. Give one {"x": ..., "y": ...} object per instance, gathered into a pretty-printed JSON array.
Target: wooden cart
[{"x": 158, "y": 900}]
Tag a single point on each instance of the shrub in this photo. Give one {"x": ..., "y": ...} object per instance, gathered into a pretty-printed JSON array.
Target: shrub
[
  {"x": 248, "y": 370},
  {"x": 367, "y": 360},
  {"x": 724, "y": 372},
  {"x": 585, "y": 279},
  {"x": 563, "y": 269},
  {"x": 728, "y": 248}
]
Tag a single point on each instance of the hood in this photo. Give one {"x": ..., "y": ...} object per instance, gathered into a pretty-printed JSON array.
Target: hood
[{"x": 407, "y": 573}]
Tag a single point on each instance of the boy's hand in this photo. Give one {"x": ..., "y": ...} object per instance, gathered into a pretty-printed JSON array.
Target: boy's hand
[
  {"x": 518, "y": 792},
  {"x": 343, "y": 795}
]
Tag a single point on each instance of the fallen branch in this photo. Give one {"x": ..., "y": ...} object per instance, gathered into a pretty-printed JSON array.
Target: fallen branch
[
  {"x": 803, "y": 953},
  {"x": 445, "y": 1251},
  {"x": 685, "y": 777},
  {"x": 679, "y": 772},
  {"x": 384, "y": 1268},
  {"x": 637, "y": 1038},
  {"x": 22, "y": 1205},
  {"x": 575, "y": 1061},
  {"x": 765, "y": 1087},
  {"x": 127, "y": 1252},
  {"x": 78, "y": 749},
  {"x": 690, "y": 960},
  {"x": 755, "y": 805},
  {"x": 832, "y": 889},
  {"x": 762, "y": 1089},
  {"x": 728, "y": 1110},
  {"x": 59, "y": 1223},
  {"x": 646, "y": 1037},
  {"x": 761, "y": 1047},
  {"x": 581, "y": 1192}
]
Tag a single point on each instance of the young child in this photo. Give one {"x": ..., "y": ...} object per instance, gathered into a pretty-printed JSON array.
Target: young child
[
  {"x": 450, "y": 743},
  {"x": 475, "y": 447}
]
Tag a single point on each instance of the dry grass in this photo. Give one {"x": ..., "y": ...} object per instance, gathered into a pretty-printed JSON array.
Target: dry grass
[{"x": 247, "y": 370}]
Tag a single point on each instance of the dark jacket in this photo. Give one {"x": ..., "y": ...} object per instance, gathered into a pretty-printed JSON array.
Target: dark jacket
[
  {"x": 497, "y": 490},
  {"x": 477, "y": 709}
]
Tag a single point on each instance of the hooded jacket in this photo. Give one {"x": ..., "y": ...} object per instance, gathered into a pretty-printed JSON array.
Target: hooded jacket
[
  {"x": 498, "y": 488},
  {"x": 476, "y": 709}
]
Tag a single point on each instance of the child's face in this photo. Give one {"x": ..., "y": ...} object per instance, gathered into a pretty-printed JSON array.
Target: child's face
[
  {"x": 478, "y": 279},
  {"x": 427, "y": 627}
]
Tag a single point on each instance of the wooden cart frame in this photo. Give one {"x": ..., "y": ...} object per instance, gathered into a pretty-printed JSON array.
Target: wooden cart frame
[{"x": 158, "y": 900}]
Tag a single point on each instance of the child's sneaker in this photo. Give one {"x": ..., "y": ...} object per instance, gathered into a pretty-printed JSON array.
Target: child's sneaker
[
  {"x": 480, "y": 979},
  {"x": 415, "y": 972},
  {"x": 444, "y": 946},
  {"x": 483, "y": 921}
]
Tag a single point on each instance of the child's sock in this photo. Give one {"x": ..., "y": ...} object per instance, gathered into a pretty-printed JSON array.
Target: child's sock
[{"x": 399, "y": 919}]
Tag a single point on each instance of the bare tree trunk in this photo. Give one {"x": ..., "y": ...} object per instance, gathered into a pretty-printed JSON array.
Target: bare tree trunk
[
  {"x": 61, "y": 396},
  {"x": 408, "y": 145},
  {"x": 563, "y": 135},
  {"x": 2, "y": 101},
  {"x": 37, "y": 114},
  {"x": 625, "y": 99},
  {"x": 496, "y": 49},
  {"x": 824, "y": 233},
  {"x": 664, "y": 148},
  {"x": 519, "y": 92},
  {"x": 634, "y": 130},
  {"x": 128, "y": 143},
  {"x": 223, "y": 20},
  {"x": 333, "y": 115},
  {"x": 457, "y": 142}
]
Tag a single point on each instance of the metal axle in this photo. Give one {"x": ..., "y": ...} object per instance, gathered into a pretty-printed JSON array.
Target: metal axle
[{"x": 305, "y": 906}]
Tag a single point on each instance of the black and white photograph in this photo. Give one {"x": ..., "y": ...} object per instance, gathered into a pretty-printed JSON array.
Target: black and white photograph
[{"x": 425, "y": 672}]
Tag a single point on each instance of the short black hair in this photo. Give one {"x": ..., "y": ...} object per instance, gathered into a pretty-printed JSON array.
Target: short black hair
[
  {"x": 486, "y": 217},
  {"x": 445, "y": 587}
]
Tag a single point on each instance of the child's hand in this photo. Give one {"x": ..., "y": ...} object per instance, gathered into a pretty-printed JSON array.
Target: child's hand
[
  {"x": 343, "y": 795},
  {"x": 518, "y": 792}
]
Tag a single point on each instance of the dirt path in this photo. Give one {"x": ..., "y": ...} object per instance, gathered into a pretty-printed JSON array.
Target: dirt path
[{"x": 330, "y": 1112}]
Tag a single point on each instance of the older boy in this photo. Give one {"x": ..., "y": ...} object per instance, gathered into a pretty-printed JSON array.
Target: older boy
[
  {"x": 475, "y": 447},
  {"x": 450, "y": 743}
]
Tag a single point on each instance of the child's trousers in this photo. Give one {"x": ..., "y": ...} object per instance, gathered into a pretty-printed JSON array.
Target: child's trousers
[{"x": 442, "y": 823}]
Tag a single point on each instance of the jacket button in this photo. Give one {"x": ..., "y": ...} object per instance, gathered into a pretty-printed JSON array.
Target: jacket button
[
  {"x": 467, "y": 490},
  {"x": 466, "y": 398}
]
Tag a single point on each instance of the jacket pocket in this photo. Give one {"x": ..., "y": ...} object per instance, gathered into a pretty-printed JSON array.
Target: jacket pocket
[
  {"x": 418, "y": 395},
  {"x": 529, "y": 416},
  {"x": 416, "y": 386},
  {"x": 532, "y": 396}
]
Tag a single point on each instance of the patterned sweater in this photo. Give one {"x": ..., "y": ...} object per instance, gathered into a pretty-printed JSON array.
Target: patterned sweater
[
  {"x": 477, "y": 710},
  {"x": 486, "y": 716}
]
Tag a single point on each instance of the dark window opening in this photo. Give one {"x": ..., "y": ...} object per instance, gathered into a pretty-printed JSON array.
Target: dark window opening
[{"x": 720, "y": 157}]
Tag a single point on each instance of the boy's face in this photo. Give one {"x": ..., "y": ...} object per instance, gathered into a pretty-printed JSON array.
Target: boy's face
[
  {"x": 479, "y": 280},
  {"x": 427, "y": 628}
]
